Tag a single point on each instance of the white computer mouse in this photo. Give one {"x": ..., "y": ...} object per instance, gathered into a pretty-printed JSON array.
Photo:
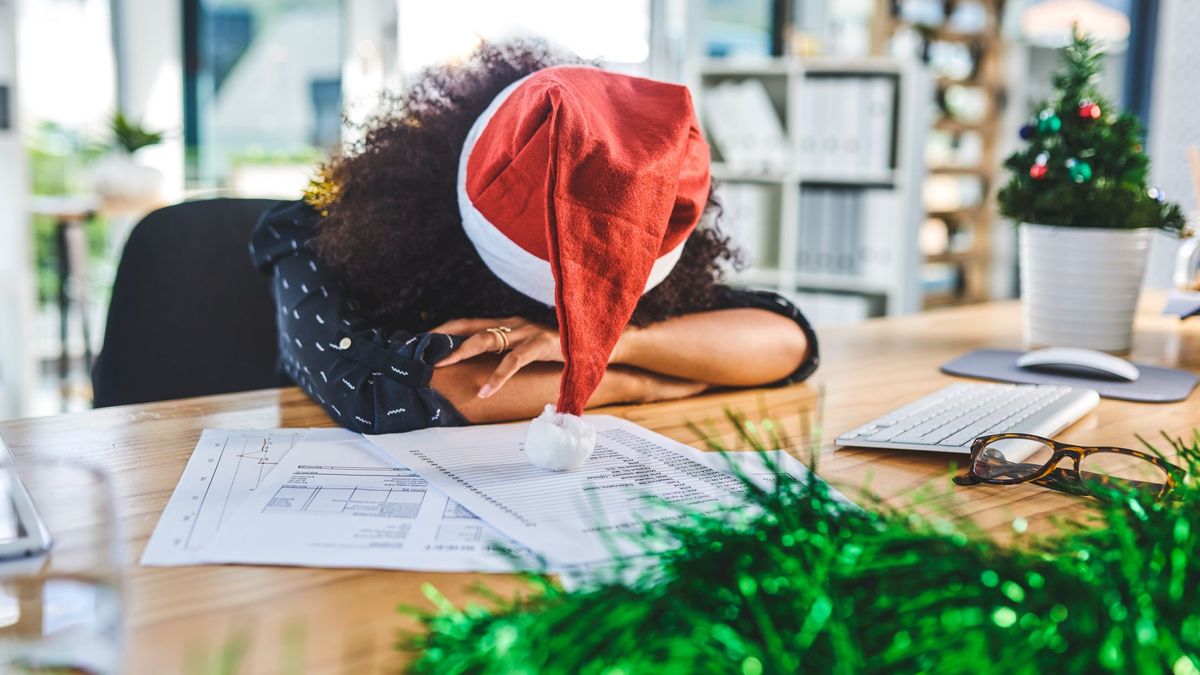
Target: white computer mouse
[{"x": 1074, "y": 361}]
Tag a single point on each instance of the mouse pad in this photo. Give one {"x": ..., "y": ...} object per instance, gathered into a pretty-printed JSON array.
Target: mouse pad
[{"x": 1154, "y": 385}]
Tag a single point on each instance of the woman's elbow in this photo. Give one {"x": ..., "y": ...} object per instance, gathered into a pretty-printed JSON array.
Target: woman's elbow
[
  {"x": 783, "y": 347},
  {"x": 796, "y": 349}
]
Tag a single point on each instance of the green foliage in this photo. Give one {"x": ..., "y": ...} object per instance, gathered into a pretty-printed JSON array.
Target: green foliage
[
  {"x": 58, "y": 159},
  {"x": 807, "y": 584},
  {"x": 228, "y": 659},
  {"x": 255, "y": 155},
  {"x": 231, "y": 655},
  {"x": 1116, "y": 194},
  {"x": 131, "y": 136}
]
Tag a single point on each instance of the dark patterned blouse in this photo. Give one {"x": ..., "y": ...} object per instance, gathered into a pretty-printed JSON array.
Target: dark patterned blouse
[{"x": 369, "y": 381}]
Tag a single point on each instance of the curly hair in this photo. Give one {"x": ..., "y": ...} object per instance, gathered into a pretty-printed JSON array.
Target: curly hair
[{"x": 393, "y": 231}]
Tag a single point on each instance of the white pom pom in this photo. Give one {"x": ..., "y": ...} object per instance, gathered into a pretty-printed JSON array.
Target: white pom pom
[{"x": 559, "y": 441}]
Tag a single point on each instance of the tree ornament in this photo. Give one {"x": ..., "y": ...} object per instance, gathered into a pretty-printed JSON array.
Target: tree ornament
[
  {"x": 1039, "y": 168},
  {"x": 1089, "y": 110},
  {"x": 1026, "y": 131},
  {"x": 1157, "y": 195},
  {"x": 1079, "y": 171},
  {"x": 1048, "y": 122}
]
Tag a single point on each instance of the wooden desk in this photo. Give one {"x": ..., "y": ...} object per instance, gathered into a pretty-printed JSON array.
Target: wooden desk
[{"x": 346, "y": 619}]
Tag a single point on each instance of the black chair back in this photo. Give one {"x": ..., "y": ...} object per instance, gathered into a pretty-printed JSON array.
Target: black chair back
[{"x": 190, "y": 315}]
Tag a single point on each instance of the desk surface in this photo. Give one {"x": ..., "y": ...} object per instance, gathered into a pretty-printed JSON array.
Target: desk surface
[{"x": 346, "y": 620}]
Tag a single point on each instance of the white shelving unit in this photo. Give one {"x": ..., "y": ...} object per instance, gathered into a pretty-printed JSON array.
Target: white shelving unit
[{"x": 889, "y": 282}]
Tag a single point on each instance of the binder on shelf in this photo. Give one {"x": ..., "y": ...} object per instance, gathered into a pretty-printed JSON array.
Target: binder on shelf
[
  {"x": 840, "y": 226},
  {"x": 863, "y": 165},
  {"x": 827, "y": 223},
  {"x": 808, "y": 232},
  {"x": 848, "y": 113},
  {"x": 879, "y": 122},
  {"x": 807, "y": 134},
  {"x": 744, "y": 126},
  {"x": 827, "y": 127},
  {"x": 879, "y": 259},
  {"x": 810, "y": 226},
  {"x": 854, "y": 214}
]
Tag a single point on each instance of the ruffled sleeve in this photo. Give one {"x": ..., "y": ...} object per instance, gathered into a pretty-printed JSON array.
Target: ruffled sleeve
[{"x": 368, "y": 381}]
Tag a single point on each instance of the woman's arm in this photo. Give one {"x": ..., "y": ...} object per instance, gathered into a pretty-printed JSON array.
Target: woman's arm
[
  {"x": 537, "y": 384},
  {"x": 737, "y": 347},
  {"x": 742, "y": 347}
]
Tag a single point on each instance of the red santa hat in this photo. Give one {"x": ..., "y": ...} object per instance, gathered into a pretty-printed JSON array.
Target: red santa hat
[{"x": 578, "y": 188}]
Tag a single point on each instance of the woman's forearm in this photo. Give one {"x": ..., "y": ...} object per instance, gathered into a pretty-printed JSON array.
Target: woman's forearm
[
  {"x": 524, "y": 396},
  {"x": 727, "y": 347}
]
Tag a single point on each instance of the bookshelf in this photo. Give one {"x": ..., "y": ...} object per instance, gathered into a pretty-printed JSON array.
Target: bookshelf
[
  {"x": 960, "y": 272},
  {"x": 829, "y": 218}
]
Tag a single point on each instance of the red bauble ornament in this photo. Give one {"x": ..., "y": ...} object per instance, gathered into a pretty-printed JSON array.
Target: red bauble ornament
[
  {"x": 1037, "y": 171},
  {"x": 1089, "y": 110}
]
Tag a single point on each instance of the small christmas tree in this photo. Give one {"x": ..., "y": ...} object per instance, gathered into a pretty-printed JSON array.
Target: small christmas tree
[{"x": 1084, "y": 165}]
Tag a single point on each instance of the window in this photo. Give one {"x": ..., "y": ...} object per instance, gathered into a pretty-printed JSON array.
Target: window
[
  {"x": 616, "y": 32},
  {"x": 262, "y": 92}
]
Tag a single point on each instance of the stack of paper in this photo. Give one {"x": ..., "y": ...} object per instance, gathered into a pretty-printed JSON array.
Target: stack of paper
[{"x": 462, "y": 499}]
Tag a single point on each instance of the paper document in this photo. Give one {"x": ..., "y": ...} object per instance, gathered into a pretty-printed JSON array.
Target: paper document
[
  {"x": 634, "y": 477},
  {"x": 750, "y": 465},
  {"x": 343, "y": 503},
  {"x": 330, "y": 498},
  {"x": 761, "y": 468},
  {"x": 224, "y": 469}
]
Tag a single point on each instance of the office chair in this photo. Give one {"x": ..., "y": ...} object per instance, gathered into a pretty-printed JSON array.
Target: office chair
[{"x": 189, "y": 315}]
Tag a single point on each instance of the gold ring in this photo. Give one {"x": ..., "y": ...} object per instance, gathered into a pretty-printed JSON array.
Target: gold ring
[{"x": 502, "y": 333}]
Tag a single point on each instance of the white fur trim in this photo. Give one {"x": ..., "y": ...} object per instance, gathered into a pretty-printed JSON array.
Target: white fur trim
[
  {"x": 559, "y": 441},
  {"x": 515, "y": 266},
  {"x": 520, "y": 269},
  {"x": 663, "y": 266}
]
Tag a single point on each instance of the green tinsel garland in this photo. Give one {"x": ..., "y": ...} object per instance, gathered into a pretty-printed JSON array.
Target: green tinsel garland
[{"x": 809, "y": 585}]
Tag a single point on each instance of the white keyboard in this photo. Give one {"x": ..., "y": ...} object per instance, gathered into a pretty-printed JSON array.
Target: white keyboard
[{"x": 949, "y": 419}]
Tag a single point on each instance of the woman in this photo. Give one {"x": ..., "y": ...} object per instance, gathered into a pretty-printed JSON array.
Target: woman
[{"x": 390, "y": 318}]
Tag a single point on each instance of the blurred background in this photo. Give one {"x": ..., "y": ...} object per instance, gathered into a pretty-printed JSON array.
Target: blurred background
[{"x": 858, "y": 142}]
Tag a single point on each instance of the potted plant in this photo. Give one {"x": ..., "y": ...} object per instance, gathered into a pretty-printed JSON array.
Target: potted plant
[
  {"x": 119, "y": 180},
  {"x": 1078, "y": 191}
]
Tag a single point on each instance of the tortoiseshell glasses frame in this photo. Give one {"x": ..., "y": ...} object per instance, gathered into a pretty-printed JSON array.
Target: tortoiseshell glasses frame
[{"x": 1071, "y": 481}]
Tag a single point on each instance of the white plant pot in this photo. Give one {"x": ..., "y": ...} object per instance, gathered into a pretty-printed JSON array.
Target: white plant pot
[
  {"x": 1080, "y": 285},
  {"x": 124, "y": 185}
]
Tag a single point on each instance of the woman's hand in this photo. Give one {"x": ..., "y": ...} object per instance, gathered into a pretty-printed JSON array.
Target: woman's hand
[{"x": 527, "y": 343}]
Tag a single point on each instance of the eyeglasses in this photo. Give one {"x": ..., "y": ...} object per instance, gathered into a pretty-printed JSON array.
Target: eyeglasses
[{"x": 1009, "y": 459}]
